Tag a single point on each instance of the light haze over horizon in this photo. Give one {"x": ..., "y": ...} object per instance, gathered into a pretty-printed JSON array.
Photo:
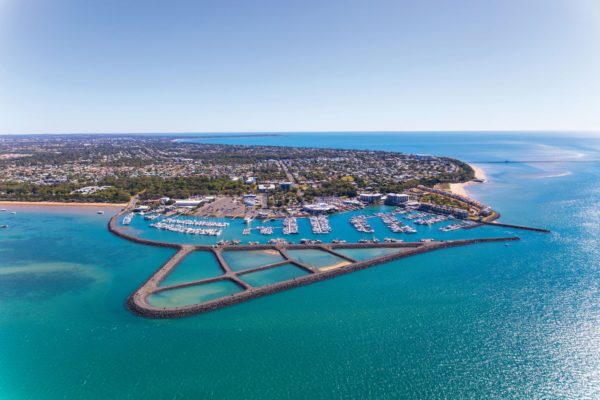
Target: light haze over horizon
[{"x": 275, "y": 66}]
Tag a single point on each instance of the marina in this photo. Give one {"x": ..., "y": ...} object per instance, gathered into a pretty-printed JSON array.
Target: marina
[
  {"x": 290, "y": 226},
  {"x": 322, "y": 261},
  {"x": 361, "y": 224},
  {"x": 174, "y": 227},
  {"x": 196, "y": 222},
  {"x": 265, "y": 230},
  {"x": 320, "y": 224},
  {"x": 390, "y": 220}
]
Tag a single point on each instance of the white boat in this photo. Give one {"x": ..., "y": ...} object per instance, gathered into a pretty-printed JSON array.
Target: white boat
[
  {"x": 100, "y": 212},
  {"x": 127, "y": 219},
  {"x": 4, "y": 226},
  {"x": 290, "y": 226}
]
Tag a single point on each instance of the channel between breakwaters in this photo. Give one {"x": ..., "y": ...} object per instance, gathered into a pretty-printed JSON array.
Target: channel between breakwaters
[{"x": 138, "y": 301}]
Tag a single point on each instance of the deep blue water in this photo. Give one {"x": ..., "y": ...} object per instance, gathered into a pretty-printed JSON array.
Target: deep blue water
[{"x": 484, "y": 321}]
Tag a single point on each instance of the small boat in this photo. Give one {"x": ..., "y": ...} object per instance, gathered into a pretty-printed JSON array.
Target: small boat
[
  {"x": 4, "y": 226},
  {"x": 127, "y": 219},
  {"x": 13, "y": 212},
  {"x": 100, "y": 212},
  {"x": 2, "y": 209}
]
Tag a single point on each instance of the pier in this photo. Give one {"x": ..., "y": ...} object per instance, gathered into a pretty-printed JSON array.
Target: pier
[
  {"x": 522, "y": 227},
  {"x": 138, "y": 301}
]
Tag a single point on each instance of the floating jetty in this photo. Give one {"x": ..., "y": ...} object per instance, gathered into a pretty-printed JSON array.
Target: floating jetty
[
  {"x": 360, "y": 223},
  {"x": 139, "y": 304},
  {"x": 290, "y": 226},
  {"x": 320, "y": 224}
]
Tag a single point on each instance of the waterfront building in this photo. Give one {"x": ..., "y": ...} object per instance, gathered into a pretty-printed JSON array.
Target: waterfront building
[
  {"x": 439, "y": 209},
  {"x": 188, "y": 202},
  {"x": 370, "y": 197},
  {"x": 395, "y": 199},
  {"x": 352, "y": 202},
  {"x": 485, "y": 212},
  {"x": 319, "y": 208}
]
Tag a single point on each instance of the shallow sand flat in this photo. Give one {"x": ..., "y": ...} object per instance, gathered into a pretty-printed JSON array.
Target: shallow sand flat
[{"x": 335, "y": 266}]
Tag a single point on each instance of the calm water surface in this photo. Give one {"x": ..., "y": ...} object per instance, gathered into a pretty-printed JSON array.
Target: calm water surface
[{"x": 486, "y": 321}]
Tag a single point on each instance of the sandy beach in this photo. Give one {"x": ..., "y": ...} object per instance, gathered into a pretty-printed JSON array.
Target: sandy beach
[
  {"x": 58, "y": 203},
  {"x": 459, "y": 188},
  {"x": 335, "y": 266}
]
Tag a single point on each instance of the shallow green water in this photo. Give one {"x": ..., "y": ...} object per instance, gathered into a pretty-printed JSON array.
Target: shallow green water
[
  {"x": 273, "y": 275},
  {"x": 193, "y": 294},
  {"x": 240, "y": 260},
  {"x": 366, "y": 254},
  {"x": 195, "y": 266},
  {"x": 316, "y": 258}
]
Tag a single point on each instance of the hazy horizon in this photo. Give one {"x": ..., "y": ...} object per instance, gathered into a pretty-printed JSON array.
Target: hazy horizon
[{"x": 224, "y": 133}]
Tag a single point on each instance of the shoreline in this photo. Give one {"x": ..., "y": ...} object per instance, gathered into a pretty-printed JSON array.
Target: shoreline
[
  {"x": 459, "y": 188},
  {"x": 59, "y": 203}
]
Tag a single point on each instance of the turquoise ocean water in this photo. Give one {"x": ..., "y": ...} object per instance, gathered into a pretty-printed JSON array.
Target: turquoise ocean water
[{"x": 477, "y": 322}]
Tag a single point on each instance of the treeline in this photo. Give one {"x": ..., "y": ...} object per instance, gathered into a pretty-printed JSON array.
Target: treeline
[
  {"x": 59, "y": 192},
  {"x": 123, "y": 188},
  {"x": 179, "y": 187}
]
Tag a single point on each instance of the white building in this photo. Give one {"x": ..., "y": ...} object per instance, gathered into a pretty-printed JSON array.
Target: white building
[
  {"x": 188, "y": 203},
  {"x": 319, "y": 208},
  {"x": 250, "y": 199},
  {"x": 370, "y": 197},
  {"x": 395, "y": 199},
  {"x": 265, "y": 188}
]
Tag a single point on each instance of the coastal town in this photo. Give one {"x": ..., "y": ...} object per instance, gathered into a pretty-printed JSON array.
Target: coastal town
[{"x": 112, "y": 168}]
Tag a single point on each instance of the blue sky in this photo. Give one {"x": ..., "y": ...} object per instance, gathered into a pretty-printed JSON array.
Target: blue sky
[{"x": 235, "y": 66}]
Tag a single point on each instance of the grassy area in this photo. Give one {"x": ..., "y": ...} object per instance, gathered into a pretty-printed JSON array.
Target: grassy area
[{"x": 443, "y": 201}]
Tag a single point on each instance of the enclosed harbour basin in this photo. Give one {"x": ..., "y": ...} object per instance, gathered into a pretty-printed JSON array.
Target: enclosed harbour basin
[{"x": 200, "y": 278}]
